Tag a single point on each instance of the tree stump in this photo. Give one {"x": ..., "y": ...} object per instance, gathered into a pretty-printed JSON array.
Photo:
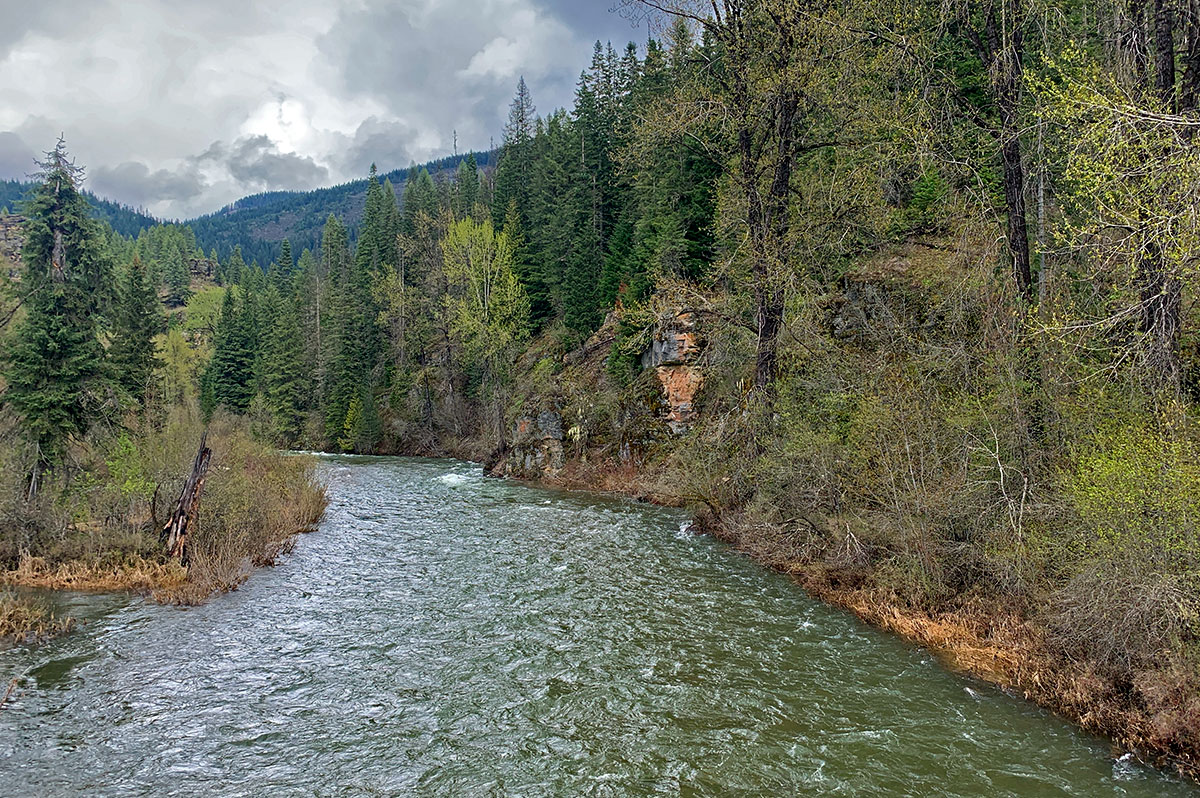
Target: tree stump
[{"x": 174, "y": 533}]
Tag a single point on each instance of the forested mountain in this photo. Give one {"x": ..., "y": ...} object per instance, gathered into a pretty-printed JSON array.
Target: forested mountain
[
  {"x": 259, "y": 223},
  {"x": 899, "y": 298},
  {"x": 123, "y": 219}
]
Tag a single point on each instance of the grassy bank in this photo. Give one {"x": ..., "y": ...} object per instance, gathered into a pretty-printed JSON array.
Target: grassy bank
[
  {"x": 23, "y": 619},
  {"x": 94, "y": 526}
]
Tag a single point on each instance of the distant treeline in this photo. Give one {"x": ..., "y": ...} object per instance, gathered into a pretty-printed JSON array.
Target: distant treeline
[
  {"x": 123, "y": 219},
  {"x": 258, "y": 224}
]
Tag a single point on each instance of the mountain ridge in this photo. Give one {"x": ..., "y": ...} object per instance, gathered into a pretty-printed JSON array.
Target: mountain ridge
[{"x": 258, "y": 223}]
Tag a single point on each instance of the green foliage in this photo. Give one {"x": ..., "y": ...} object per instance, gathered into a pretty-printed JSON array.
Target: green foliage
[
  {"x": 488, "y": 308},
  {"x": 178, "y": 278},
  {"x": 1136, "y": 486},
  {"x": 283, "y": 378},
  {"x": 230, "y": 373},
  {"x": 54, "y": 366},
  {"x": 925, "y": 210},
  {"x": 127, "y": 470},
  {"x": 139, "y": 320},
  {"x": 360, "y": 429},
  {"x": 203, "y": 312}
]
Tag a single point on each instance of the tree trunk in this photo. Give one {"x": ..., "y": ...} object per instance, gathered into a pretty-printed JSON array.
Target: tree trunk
[
  {"x": 1003, "y": 53},
  {"x": 1164, "y": 53},
  {"x": 1189, "y": 89},
  {"x": 1161, "y": 290},
  {"x": 1161, "y": 305},
  {"x": 174, "y": 533}
]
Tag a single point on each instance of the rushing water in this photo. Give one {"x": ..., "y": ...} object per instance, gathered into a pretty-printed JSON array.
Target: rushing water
[{"x": 448, "y": 634}]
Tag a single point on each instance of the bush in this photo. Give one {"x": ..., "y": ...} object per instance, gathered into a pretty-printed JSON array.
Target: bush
[{"x": 95, "y": 525}]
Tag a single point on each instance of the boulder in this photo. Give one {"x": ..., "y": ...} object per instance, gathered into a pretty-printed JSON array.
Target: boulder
[{"x": 536, "y": 449}]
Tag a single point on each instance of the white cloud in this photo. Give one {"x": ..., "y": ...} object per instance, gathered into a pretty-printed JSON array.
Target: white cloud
[{"x": 289, "y": 95}]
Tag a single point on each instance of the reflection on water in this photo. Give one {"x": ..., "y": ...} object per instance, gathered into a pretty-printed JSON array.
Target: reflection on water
[{"x": 446, "y": 634}]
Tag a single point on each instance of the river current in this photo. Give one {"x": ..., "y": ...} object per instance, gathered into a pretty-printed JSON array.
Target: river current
[{"x": 447, "y": 634}]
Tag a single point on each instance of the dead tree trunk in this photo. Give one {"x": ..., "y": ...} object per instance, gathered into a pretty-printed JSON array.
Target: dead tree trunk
[
  {"x": 174, "y": 533},
  {"x": 1004, "y": 49}
]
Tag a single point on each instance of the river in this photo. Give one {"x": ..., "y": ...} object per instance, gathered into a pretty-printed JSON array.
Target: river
[{"x": 447, "y": 634}]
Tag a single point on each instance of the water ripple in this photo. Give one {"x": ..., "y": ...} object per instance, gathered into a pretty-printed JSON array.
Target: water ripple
[{"x": 443, "y": 634}]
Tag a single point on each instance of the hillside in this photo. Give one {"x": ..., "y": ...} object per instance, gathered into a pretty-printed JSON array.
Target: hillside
[
  {"x": 259, "y": 223},
  {"x": 123, "y": 219}
]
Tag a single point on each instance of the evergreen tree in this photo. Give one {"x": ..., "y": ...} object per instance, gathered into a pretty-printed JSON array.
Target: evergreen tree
[
  {"x": 283, "y": 370},
  {"x": 351, "y": 425},
  {"x": 55, "y": 365},
  {"x": 281, "y": 270},
  {"x": 231, "y": 371},
  {"x": 466, "y": 187},
  {"x": 514, "y": 173},
  {"x": 420, "y": 196},
  {"x": 178, "y": 277},
  {"x": 139, "y": 319}
]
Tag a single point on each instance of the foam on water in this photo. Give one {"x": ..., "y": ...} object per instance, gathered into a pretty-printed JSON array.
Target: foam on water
[{"x": 442, "y": 634}]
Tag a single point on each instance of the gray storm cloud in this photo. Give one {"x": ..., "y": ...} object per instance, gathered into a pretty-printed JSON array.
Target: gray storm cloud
[
  {"x": 136, "y": 185},
  {"x": 182, "y": 108},
  {"x": 255, "y": 161}
]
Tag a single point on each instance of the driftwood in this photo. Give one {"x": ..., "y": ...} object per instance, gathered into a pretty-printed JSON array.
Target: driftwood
[{"x": 175, "y": 532}]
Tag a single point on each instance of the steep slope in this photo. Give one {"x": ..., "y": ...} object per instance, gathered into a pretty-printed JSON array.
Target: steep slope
[
  {"x": 260, "y": 222},
  {"x": 125, "y": 220}
]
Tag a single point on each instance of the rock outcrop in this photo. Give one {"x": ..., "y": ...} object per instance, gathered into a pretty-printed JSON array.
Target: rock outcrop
[
  {"x": 673, "y": 354},
  {"x": 536, "y": 447},
  {"x": 202, "y": 267},
  {"x": 11, "y": 241}
]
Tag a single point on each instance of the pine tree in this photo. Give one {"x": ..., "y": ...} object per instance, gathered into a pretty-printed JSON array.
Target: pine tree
[
  {"x": 347, "y": 357},
  {"x": 55, "y": 365},
  {"x": 139, "y": 319},
  {"x": 514, "y": 173},
  {"x": 178, "y": 277},
  {"x": 420, "y": 196},
  {"x": 466, "y": 187},
  {"x": 282, "y": 378},
  {"x": 351, "y": 424},
  {"x": 231, "y": 371},
  {"x": 281, "y": 270},
  {"x": 235, "y": 267}
]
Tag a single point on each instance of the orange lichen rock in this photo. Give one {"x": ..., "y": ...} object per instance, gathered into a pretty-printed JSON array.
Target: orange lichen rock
[
  {"x": 673, "y": 354},
  {"x": 680, "y": 385}
]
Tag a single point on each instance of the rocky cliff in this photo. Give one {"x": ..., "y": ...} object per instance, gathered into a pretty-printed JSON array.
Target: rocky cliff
[
  {"x": 11, "y": 241},
  {"x": 673, "y": 355},
  {"x": 581, "y": 420}
]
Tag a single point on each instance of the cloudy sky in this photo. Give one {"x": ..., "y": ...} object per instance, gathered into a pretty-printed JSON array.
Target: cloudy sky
[{"x": 181, "y": 107}]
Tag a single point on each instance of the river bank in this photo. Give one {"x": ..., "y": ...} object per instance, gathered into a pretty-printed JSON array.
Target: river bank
[
  {"x": 97, "y": 530},
  {"x": 996, "y": 643}
]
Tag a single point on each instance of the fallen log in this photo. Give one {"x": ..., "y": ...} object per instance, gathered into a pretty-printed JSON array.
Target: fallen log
[{"x": 174, "y": 533}]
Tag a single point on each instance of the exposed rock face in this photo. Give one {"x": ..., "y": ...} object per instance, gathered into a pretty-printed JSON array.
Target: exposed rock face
[
  {"x": 673, "y": 354},
  {"x": 875, "y": 304},
  {"x": 536, "y": 450},
  {"x": 202, "y": 267},
  {"x": 11, "y": 241}
]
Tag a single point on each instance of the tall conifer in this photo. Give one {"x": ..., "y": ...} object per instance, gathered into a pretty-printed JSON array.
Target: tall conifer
[{"x": 55, "y": 366}]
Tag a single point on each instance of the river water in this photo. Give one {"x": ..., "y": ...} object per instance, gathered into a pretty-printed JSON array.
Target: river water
[{"x": 447, "y": 634}]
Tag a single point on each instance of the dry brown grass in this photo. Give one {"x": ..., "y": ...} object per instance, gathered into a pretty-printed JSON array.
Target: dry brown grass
[
  {"x": 255, "y": 501},
  {"x": 24, "y": 619},
  {"x": 131, "y": 573}
]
